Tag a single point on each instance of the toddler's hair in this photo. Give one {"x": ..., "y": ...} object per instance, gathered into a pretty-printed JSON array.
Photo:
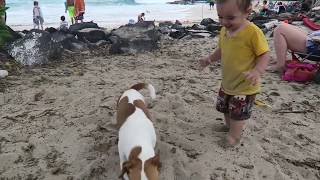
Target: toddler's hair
[
  {"x": 243, "y": 5},
  {"x": 35, "y": 3},
  {"x": 62, "y": 18},
  {"x": 265, "y": 2}
]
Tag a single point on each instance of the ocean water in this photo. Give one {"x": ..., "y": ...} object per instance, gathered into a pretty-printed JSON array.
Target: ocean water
[{"x": 104, "y": 12}]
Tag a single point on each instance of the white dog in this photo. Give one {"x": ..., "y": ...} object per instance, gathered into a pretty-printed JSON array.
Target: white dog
[{"x": 137, "y": 137}]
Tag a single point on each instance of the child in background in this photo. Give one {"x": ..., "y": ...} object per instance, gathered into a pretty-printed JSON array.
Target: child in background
[
  {"x": 63, "y": 24},
  {"x": 37, "y": 16},
  {"x": 244, "y": 54}
]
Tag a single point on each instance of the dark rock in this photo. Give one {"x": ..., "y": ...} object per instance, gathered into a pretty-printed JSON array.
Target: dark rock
[
  {"x": 79, "y": 26},
  {"x": 144, "y": 24},
  {"x": 178, "y": 22},
  {"x": 13, "y": 35},
  {"x": 51, "y": 30},
  {"x": 102, "y": 43},
  {"x": 165, "y": 24},
  {"x": 92, "y": 35},
  {"x": 37, "y": 47},
  {"x": 68, "y": 41},
  {"x": 25, "y": 31},
  {"x": 198, "y": 27},
  {"x": 207, "y": 21},
  {"x": 178, "y": 34},
  {"x": 213, "y": 27},
  {"x": 134, "y": 38},
  {"x": 178, "y": 27},
  {"x": 164, "y": 30}
]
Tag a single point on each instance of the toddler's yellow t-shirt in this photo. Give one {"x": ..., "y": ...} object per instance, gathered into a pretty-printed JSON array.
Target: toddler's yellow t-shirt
[{"x": 239, "y": 54}]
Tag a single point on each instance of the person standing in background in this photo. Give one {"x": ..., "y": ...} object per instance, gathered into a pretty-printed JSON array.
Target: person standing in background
[
  {"x": 37, "y": 16},
  {"x": 69, "y": 6},
  {"x": 211, "y": 3},
  {"x": 79, "y": 8},
  {"x": 3, "y": 5}
]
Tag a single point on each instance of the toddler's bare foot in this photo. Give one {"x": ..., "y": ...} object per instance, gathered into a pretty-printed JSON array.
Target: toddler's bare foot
[
  {"x": 223, "y": 128},
  {"x": 232, "y": 141},
  {"x": 228, "y": 142}
]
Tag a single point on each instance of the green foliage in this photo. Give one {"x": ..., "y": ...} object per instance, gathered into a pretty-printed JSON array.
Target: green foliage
[{"x": 4, "y": 33}]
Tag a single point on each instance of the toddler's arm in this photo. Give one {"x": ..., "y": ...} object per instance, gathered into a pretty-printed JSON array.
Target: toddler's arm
[
  {"x": 262, "y": 63},
  {"x": 215, "y": 56}
]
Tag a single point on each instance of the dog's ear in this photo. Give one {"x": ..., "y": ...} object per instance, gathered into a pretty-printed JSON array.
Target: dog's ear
[
  {"x": 125, "y": 169},
  {"x": 135, "y": 153},
  {"x": 124, "y": 110},
  {"x": 156, "y": 160}
]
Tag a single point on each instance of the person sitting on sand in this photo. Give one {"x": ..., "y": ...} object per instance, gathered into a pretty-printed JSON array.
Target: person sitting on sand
[
  {"x": 69, "y": 6},
  {"x": 37, "y": 16},
  {"x": 141, "y": 17},
  {"x": 244, "y": 54},
  {"x": 63, "y": 24},
  {"x": 287, "y": 36}
]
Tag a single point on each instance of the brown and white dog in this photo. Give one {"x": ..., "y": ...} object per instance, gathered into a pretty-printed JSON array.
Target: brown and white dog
[{"x": 137, "y": 137}]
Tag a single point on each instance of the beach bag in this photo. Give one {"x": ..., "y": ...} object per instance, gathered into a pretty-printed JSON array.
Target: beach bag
[{"x": 299, "y": 71}]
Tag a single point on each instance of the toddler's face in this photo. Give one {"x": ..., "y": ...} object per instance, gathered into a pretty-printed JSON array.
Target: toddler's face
[{"x": 230, "y": 15}]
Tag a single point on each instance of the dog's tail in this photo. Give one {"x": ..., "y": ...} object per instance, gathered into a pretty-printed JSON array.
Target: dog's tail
[{"x": 140, "y": 86}]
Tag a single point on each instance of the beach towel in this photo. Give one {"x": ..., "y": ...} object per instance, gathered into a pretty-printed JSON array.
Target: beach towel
[
  {"x": 299, "y": 71},
  {"x": 79, "y": 7}
]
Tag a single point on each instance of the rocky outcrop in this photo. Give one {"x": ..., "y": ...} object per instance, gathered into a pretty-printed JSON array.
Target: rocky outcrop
[
  {"x": 37, "y": 47},
  {"x": 92, "y": 35},
  {"x": 79, "y": 26},
  {"x": 134, "y": 38}
]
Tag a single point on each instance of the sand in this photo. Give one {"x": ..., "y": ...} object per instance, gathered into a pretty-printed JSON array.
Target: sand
[{"x": 56, "y": 121}]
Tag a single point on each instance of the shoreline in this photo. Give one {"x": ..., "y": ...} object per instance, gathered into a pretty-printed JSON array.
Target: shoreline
[{"x": 194, "y": 14}]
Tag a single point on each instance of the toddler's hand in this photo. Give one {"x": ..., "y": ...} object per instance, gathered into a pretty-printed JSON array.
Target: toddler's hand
[
  {"x": 204, "y": 62},
  {"x": 253, "y": 76}
]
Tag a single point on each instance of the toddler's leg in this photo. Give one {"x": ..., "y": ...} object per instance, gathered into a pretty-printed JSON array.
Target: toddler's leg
[
  {"x": 235, "y": 131},
  {"x": 240, "y": 108},
  {"x": 227, "y": 120}
]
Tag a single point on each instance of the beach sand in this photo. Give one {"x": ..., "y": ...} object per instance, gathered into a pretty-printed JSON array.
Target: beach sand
[{"x": 56, "y": 121}]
